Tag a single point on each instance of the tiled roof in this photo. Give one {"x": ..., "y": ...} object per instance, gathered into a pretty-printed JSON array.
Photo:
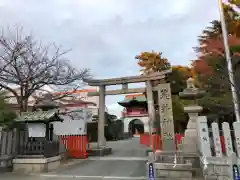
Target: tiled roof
[
  {"x": 134, "y": 97},
  {"x": 38, "y": 116},
  {"x": 76, "y": 91},
  {"x": 130, "y": 96}
]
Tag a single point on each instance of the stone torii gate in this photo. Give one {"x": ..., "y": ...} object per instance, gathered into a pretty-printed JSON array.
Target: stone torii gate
[{"x": 164, "y": 102}]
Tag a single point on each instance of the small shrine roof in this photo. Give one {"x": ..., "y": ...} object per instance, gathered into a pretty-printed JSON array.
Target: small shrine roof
[
  {"x": 133, "y": 99},
  {"x": 39, "y": 116}
]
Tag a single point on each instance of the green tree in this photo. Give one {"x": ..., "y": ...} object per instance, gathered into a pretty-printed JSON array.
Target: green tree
[
  {"x": 7, "y": 116},
  {"x": 178, "y": 78},
  {"x": 178, "y": 114},
  {"x": 109, "y": 118}
]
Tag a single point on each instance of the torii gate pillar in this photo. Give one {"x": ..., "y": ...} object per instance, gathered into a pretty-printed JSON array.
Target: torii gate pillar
[{"x": 101, "y": 121}]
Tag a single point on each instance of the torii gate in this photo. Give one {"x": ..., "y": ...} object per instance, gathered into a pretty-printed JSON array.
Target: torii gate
[{"x": 164, "y": 102}]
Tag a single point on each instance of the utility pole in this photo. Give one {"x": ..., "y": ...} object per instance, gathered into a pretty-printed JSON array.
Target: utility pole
[{"x": 229, "y": 60}]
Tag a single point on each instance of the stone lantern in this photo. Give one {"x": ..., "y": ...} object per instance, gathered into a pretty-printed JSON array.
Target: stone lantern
[{"x": 191, "y": 93}]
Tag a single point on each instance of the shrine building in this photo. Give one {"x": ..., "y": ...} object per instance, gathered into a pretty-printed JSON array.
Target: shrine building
[{"x": 135, "y": 114}]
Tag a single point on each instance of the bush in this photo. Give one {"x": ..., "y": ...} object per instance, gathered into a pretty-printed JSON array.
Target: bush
[
  {"x": 113, "y": 131},
  {"x": 7, "y": 116}
]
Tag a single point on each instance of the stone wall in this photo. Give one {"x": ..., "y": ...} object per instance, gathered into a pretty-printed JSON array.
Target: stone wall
[
  {"x": 217, "y": 168},
  {"x": 6, "y": 163},
  {"x": 36, "y": 165},
  {"x": 170, "y": 164},
  {"x": 164, "y": 170}
]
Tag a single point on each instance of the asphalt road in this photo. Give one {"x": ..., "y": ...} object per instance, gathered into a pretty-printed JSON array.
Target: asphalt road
[{"x": 127, "y": 162}]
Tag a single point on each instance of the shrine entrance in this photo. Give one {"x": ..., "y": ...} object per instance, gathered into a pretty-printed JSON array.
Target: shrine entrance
[
  {"x": 155, "y": 82},
  {"x": 135, "y": 127}
]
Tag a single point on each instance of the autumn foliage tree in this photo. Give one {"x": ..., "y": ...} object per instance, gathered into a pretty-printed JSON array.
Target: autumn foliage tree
[
  {"x": 155, "y": 62},
  {"x": 212, "y": 60},
  {"x": 152, "y": 62},
  {"x": 235, "y": 3},
  {"x": 232, "y": 19},
  {"x": 211, "y": 46},
  {"x": 211, "y": 66}
]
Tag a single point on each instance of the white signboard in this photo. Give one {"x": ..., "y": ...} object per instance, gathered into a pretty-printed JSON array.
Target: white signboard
[
  {"x": 203, "y": 135},
  {"x": 36, "y": 130},
  {"x": 236, "y": 127},
  {"x": 227, "y": 139},
  {"x": 216, "y": 140}
]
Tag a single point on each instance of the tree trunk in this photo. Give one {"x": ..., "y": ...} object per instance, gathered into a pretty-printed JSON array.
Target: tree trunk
[
  {"x": 25, "y": 105},
  {"x": 22, "y": 103}
]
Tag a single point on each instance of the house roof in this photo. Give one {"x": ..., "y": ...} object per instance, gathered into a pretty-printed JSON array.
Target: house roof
[
  {"x": 76, "y": 91},
  {"x": 39, "y": 116},
  {"x": 61, "y": 101},
  {"x": 76, "y": 101}
]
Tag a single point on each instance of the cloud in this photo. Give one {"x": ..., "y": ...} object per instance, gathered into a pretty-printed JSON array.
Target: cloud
[{"x": 106, "y": 35}]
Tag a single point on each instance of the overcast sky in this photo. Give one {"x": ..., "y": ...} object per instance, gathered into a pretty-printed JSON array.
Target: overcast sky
[{"x": 105, "y": 35}]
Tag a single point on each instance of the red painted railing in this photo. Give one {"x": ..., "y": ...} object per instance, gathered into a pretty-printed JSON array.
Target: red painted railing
[{"x": 76, "y": 145}]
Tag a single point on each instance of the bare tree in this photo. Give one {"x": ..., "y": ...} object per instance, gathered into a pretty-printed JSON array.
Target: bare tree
[{"x": 29, "y": 65}]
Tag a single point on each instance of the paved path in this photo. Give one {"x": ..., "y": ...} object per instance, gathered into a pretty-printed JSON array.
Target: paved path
[
  {"x": 126, "y": 148},
  {"x": 128, "y": 162}
]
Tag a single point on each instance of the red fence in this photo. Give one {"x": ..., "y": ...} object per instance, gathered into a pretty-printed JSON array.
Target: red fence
[
  {"x": 157, "y": 143},
  {"x": 76, "y": 145},
  {"x": 156, "y": 140}
]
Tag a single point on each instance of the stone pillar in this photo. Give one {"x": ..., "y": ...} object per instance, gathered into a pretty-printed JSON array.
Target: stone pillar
[
  {"x": 166, "y": 117},
  {"x": 190, "y": 136},
  {"x": 101, "y": 121},
  {"x": 151, "y": 109}
]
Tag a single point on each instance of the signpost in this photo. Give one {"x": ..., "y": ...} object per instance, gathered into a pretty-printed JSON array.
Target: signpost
[
  {"x": 151, "y": 172},
  {"x": 236, "y": 175}
]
